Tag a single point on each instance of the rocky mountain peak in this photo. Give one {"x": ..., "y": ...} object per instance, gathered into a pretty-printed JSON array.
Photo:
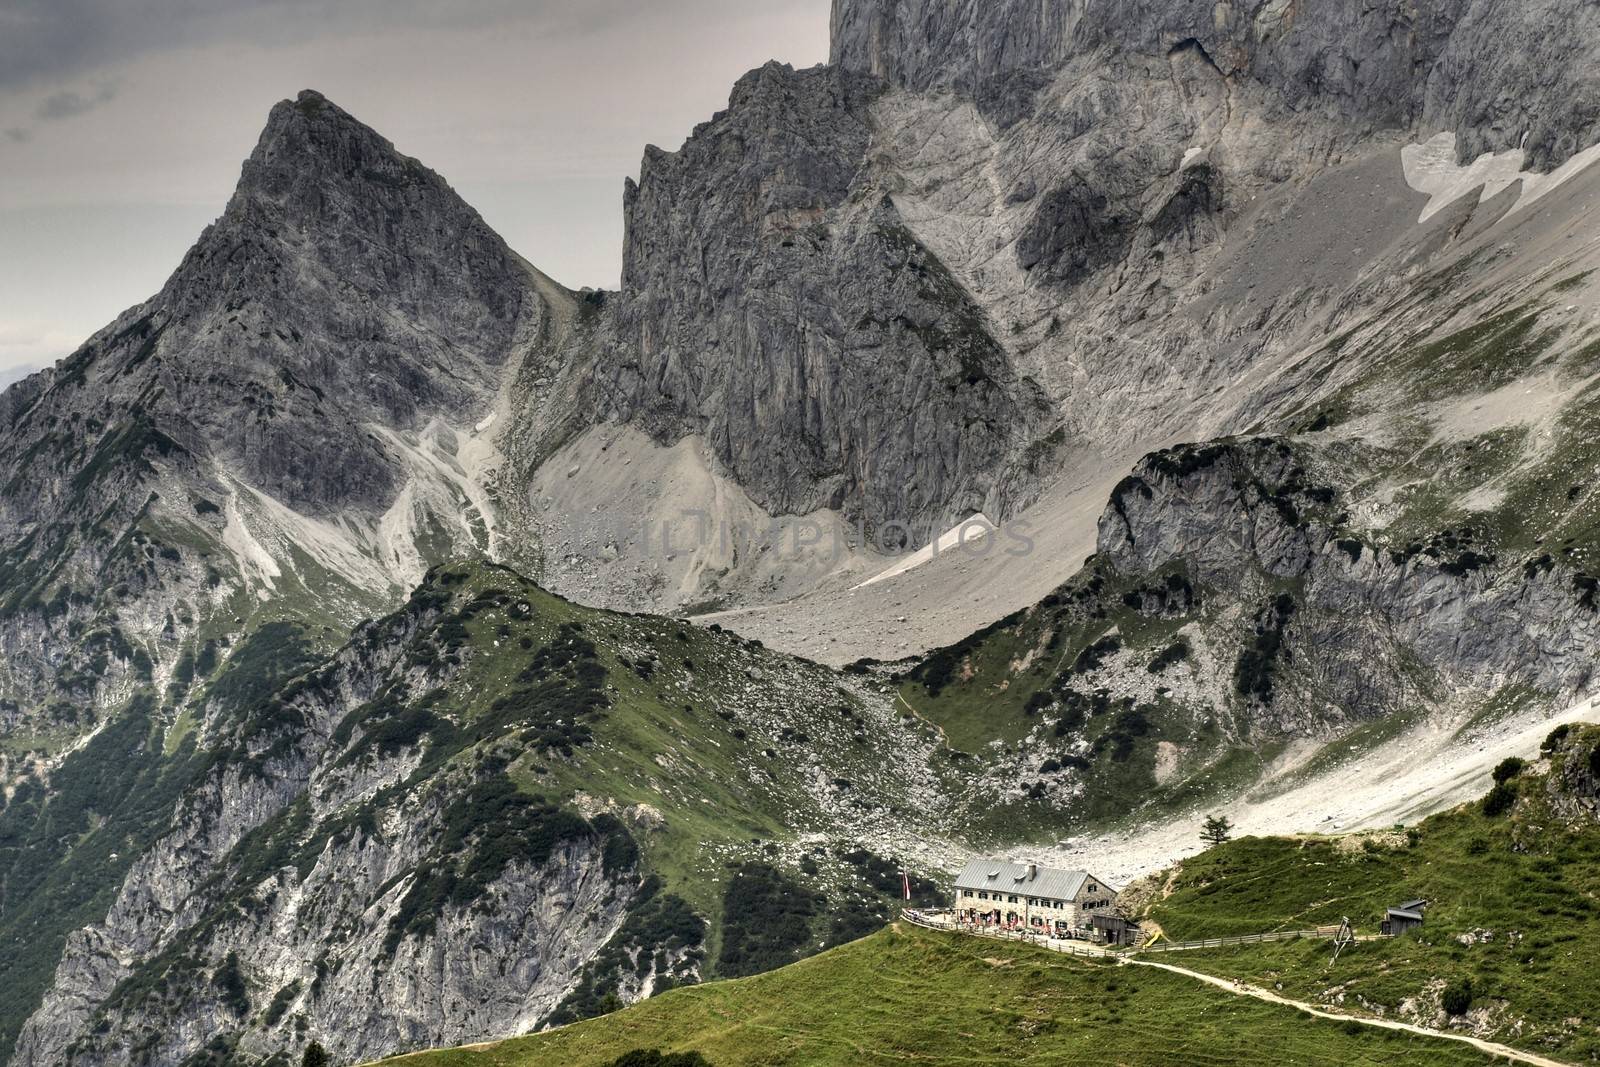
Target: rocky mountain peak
[
  {"x": 321, "y": 181},
  {"x": 345, "y": 283},
  {"x": 996, "y": 253},
  {"x": 346, "y": 303},
  {"x": 311, "y": 147}
]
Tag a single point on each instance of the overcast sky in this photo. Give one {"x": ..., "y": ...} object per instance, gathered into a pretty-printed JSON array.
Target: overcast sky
[{"x": 123, "y": 122}]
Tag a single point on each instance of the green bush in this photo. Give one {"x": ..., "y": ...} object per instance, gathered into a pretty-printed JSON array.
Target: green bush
[
  {"x": 1558, "y": 735},
  {"x": 488, "y": 827},
  {"x": 766, "y": 920},
  {"x": 883, "y": 876},
  {"x": 229, "y": 982},
  {"x": 280, "y": 1003},
  {"x": 1255, "y": 673},
  {"x": 260, "y": 665},
  {"x": 1457, "y": 998},
  {"x": 1499, "y": 800},
  {"x": 656, "y": 1058},
  {"x": 1122, "y": 736},
  {"x": 1509, "y": 768},
  {"x": 1095, "y": 655},
  {"x": 1037, "y": 703},
  {"x": 1170, "y": 656}
]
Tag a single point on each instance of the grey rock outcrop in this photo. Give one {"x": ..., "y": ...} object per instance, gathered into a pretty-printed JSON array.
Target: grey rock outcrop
[
  {"x": 1573, "y": 787},
  {"x": 344, "y": 312},
  {"x": 344, "y": 285},
  {"x": 904, "y": 286},
  {"x": 1235, "y": 513},
  {"x": 990, "y": 242}
]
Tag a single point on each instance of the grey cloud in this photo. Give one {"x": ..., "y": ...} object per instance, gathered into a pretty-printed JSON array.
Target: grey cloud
[
  {"x": 43, "y": 40},
  {"x": 52, "y": 39},
  {"x": 18, "y": 134},
  {"x": 69, "y": 103}
]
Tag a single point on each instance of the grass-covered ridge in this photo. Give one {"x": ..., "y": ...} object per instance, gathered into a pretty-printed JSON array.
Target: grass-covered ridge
[
  {"x": 1513, "y": 922},
  {"x": 723, "y": 750},
  {"x": 906, "y": 995}
]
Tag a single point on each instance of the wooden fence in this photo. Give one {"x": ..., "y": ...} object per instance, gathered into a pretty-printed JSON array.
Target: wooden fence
[{"x": 1240, "y": 939}]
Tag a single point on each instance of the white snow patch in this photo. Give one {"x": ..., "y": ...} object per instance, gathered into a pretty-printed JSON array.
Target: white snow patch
[
  {"x": 1431, "y": 167},
  {"x": 1427, "y": 770},
  {"x": 970, "y": 532}
]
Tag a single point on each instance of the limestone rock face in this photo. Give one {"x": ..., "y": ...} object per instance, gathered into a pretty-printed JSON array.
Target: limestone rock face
[
  {"x": 775, "y": 303},
  {"x": 1493, "y": 73},
  {"x": 1573, "y": 787},
  {"x": 345, "y": 284},
  {"x": 994, "y": 248},
  {"x": 282, "y": 904}
]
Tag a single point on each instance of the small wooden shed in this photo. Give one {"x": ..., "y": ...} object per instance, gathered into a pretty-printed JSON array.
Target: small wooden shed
[{"x": 1408, "y": 916}]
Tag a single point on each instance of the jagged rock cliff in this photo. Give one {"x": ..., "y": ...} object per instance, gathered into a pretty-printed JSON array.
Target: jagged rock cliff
[
  {"x": 1367, "y": 614},
  {"x": 1573, "y": 787},
  {"x": 486, "y": 812},
  {"x": 1103, "y": 208},
  {"x": 344, "y": 286},
  {"x": 775, "y": 304},
  {"x": 323, "y": 875}
]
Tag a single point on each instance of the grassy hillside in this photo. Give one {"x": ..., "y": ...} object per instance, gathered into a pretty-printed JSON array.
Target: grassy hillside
[
  {"x": 769, "y": 803},
  {"x": 906, "y": 995},
  {"x": 1513, "y": 927},
  {"x": 1507, "y": 953},
  {"x": 766, "y": 804}
]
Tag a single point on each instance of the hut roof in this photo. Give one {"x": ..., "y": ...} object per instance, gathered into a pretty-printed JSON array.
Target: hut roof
[{"x": 1005, "y": 877}]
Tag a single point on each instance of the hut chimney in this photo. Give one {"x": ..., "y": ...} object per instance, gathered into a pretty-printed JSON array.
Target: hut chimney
[{"x": 1033, "y": 871}]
